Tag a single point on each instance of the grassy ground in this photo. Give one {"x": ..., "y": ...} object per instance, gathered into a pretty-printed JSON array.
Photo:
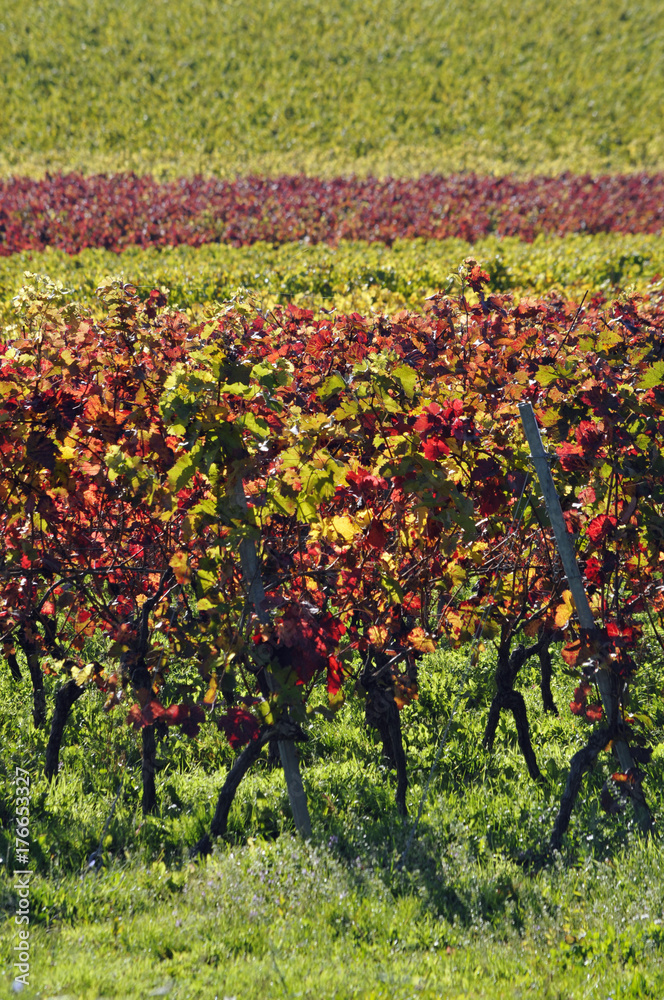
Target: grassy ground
[
  {"x": 390, "y": 87},
  {"x": 268, "y": 916},
  {"x": 352, "y": 276}
]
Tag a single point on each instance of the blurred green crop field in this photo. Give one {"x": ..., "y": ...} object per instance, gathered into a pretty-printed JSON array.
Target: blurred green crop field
[
  {"x": 362, "y": 277},
  {"x": 385, "y": 86}
]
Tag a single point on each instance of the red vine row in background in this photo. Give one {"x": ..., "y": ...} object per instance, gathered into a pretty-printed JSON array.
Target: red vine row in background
[{"x": 72, "y": 212}]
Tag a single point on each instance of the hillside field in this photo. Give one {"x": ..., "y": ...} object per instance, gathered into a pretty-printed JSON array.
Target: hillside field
[{"x": 392, "y": 87}]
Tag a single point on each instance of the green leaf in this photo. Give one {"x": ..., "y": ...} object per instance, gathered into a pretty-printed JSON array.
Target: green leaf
[
  {"x": 391, "y": 587},
  {"x": 407, "y": 378},
  {"x": 546, "y": 375},
  {"x": 652, "y": 377},
  {"x": 205, "y": 604},
  {"x": 332, "y": 385},
  {"x": 182, "y": 472},
  {"x": 257, "y": 425}
]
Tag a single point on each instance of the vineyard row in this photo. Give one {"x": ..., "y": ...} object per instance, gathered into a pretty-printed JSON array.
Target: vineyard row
[
  {"x": 368, "y": 472},
  {"x": 350, "y": 277},
  {"x": 72, "y": 212}
]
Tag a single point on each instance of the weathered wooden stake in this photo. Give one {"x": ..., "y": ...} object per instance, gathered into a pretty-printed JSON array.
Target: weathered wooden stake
[
  {"x": 254, "y": 581},
  {"x": 605, "y": 681}
]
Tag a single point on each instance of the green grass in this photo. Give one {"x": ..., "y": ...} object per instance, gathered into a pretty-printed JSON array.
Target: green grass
[
  {"x": 352, "y": 276},
  {"x": 288, "y": 920},
  {"x": 391, "y": 87},
  {"x": 268, "y": 916}
]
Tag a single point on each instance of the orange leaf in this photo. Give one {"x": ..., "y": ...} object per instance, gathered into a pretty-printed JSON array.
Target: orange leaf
[
  {"x": 179, "y": 563},
  {"x": 421, "y": 641},
  {"x": 378, "y": 635}
]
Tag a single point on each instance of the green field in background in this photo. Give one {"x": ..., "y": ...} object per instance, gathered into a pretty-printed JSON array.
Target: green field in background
[
  {"x": 352, "y": 276},
  {"x": 391, "y": 87}
]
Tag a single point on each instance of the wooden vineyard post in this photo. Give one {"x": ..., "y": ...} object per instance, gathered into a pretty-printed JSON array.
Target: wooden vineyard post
[
  {"x": 605, "y": 680},
  {"x": 254, "y": 582}
]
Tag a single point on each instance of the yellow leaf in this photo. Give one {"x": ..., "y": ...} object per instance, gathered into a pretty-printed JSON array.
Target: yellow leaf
[
  {"x": 180, "y": 566},
  {"x": 421, "y": 641},
  {"x": 454, "y": 575},
  {"x": 211, "y": 693},
  {"x": 344, "y": 527},
  {"x": 565, "y": 610},
  {"x": 82, "y": 676},
  {"x": 266, "y": 711},
  {"x": 378, "y": 635}
]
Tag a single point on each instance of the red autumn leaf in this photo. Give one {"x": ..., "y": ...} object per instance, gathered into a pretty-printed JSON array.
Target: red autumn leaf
[
  {"x": 175, "y": 715},
  {"x": 187, "y": 717},
  {"x": 435, "y": 448},
  {"x": 463, "y": 430},
  {"x": 190, "y": 727},
  {"x": 121, "y": 209},
  {"x": 336, "y": 674},
  {"x": 593, "y": 571},
  {"x": 367, "y": 483},
  {"x": 578, "y": 705},
  {"x": 576, "y": 653},
  {"x": 136, "y": 718},
  {"x": 377, "y": 535},
  {"x": 304, "y": 642},
  {"x": 594, "y": 712},
  {"x": 156, "y": 300},
  {"x": 601, "y": 528},
  {"x": 491, "y": 497},
  {"x": 153, "y": 711},
  {"x": 476, "y": 277},
  {"x": 197, "y": 713},
  {"x": 624, "y": 635},
  {"x": 572, "y": 457},
  {"x": 485, "y": 468},
  {"x": 333, "y": 630},
  {"x": 239, "y": 726},
  {"x": 589, "y": 435},
  {"x": 423, "y": 421}
]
